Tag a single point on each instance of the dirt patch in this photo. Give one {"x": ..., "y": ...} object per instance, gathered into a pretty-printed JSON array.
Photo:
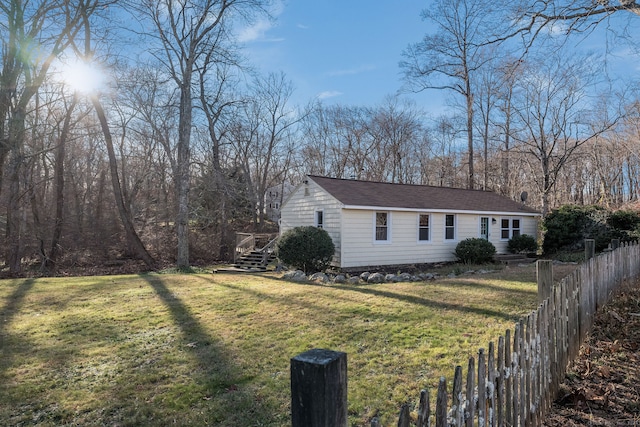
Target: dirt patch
[{"x": 602, "y": 387}]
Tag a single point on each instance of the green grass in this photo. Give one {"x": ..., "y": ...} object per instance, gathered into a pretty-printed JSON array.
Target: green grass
[{"x": 171, "y": 349}]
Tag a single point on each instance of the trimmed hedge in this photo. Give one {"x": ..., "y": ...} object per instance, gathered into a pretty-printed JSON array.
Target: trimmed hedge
[
  {"x": 305, "y": 248},
  {"x": 475, "y": 251},
  {"x": 523, "y": 243}
]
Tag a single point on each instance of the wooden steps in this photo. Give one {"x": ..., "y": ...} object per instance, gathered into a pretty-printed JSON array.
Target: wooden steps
[
  {"x": 511, "y": 259},
  {"x": 254, "y": 261}
]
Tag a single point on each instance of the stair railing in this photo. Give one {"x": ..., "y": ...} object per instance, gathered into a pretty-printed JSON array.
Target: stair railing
[
  {"x": 267, "y": 250},
  {"x": 245, "y": 243}
]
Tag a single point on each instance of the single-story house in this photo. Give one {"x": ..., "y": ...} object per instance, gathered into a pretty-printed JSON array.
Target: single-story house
[{"x": 376, "y": 223}]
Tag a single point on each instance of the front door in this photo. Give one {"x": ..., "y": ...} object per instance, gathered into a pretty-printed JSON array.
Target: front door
[{"x": 484, "y": 227}]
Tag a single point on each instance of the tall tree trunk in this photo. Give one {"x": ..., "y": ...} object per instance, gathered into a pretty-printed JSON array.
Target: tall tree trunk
[
  {"x": 16, "y": 126},
  {"x": 182, "y": 180},
  {"x": 134, "y": 242},
  {"x": 469, "y": 96},
  {"x": 14, "y": 224},
  {"x": 51, "y": 260}
]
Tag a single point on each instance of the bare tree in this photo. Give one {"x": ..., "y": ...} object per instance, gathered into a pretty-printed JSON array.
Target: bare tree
[
  {"x": 555, "y": 117},
  {"x": 262, "y": 136},
  {"x": 190, "y": 33},
  {"x": 54, "y": 24},
  {"x": 448, "y": 59}
]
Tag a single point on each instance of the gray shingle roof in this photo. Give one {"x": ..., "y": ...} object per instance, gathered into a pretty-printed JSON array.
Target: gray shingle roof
[{"x": 385, "y": 195}]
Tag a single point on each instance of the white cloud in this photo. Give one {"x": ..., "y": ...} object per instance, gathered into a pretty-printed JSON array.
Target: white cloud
[
  {"x": 258, "y": 31},
  {"x": 303, "y": 27},
  {"x": 329, "y": 94},
  {"x": 352, "y": 71}
]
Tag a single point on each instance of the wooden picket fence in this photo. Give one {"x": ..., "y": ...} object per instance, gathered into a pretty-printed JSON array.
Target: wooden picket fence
[{"x": 516, "y": 383}]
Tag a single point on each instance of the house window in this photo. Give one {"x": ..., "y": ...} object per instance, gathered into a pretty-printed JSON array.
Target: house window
[
  {"x": 449, "y": 227},
  {"x": 320, "y": 219},
  {"x": 382, "y": 226},
  {"x": 423, "y": 228},
  {"x": 509, "y": 227}
]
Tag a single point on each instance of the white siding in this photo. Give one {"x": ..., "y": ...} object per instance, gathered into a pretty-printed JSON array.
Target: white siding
[
  {"x": 300, "y": 208},
  {"x": 353, "y": 230},
  {"x": 359, "y": 248}
]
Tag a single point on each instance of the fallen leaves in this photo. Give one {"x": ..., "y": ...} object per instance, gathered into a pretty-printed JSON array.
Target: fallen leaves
[{"x": 601, "y": 387}]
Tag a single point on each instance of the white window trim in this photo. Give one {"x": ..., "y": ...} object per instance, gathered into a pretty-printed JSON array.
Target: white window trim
[
  {"x": 315, "y": 218},
  {"x": 510, "y": 219},
  {"x": 430, "y": 239},
  {"x": 382, "y": 242},
  {"x": 455, "y": 228}
]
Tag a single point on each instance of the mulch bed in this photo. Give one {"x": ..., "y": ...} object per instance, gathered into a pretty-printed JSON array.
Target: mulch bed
[{"x": 602, "y": 387}]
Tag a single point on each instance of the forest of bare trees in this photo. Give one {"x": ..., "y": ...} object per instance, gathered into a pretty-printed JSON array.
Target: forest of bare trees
[{"x": 175, "y": 149}]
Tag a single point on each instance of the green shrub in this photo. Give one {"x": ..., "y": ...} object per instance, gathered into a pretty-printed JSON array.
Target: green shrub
[
  {"x": 624, "y": 220},
  {"x": 522, "y": 244},
  {"x": 567, "y": 227},
  {"x": 475, "y": 251},
  {"x": 305, "y": 248}
]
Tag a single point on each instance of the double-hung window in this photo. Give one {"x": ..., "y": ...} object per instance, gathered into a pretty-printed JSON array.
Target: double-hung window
[
  {"x": 424, "y": 228},
  {"x": 509, "y": 227},
  {"x": 449, "y": 227},
  {"x": 320, "y": 219},
  {"x": 382, "y": 226}
]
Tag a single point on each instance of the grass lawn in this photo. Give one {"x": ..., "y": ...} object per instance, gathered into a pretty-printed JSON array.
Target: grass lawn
[{"x": 171, "y": 349}]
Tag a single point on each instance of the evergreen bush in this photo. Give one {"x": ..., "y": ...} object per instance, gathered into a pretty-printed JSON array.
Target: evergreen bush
[
  {"x": 475, "y": 251},
  {"x": 305, "y": 248},
  {"x": 523, "y": 243},
  {"x": 567, "y": 227}
]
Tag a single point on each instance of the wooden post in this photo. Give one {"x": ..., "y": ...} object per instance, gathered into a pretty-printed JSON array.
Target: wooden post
[
  {"x": 615, "y": 244},
  {"x": 544, "y": 270},
  {"x": 319, "y": 389},
  {"x": 589, "y": 249}
]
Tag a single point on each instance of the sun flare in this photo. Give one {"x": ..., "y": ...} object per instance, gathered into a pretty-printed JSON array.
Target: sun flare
[{"x": 82, "y": 77}]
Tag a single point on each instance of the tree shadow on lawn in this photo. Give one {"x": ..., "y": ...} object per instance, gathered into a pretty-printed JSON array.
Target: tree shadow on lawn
[
  {"x": 14, "y": 302},
  {"x": 227, "y": 389},
  {"x": 215, "y": 392},
  {"x": 370, "y": 290},
  {"x": 412, "y": 299}
]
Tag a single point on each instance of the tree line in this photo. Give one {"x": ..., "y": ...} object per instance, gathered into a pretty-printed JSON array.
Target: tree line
[{"x": 179, "y": 146}]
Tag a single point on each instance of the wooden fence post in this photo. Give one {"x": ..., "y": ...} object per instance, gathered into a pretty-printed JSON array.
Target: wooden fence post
[
  {"x": 544, "y": 270},
  {"x": 589, "y": 249},
  {"x": 615, "y": 244},
  {"x": 319, "y": 389}
]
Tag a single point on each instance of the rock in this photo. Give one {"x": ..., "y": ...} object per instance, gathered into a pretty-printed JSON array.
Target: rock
[
  {"x": 319, "y": 277},
  {"x": 295, "y": 276},
  {"x": 406, "y": 277},
  {"x": 365, "y": 276},
  {"x": 340, "y": 278},
  {"x": 391, "y": 278},
  {"x": 375, "y": 278},
  {"x": 353, "y": 280}
]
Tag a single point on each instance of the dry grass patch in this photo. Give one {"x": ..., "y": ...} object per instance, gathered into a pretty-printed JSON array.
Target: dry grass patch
[{"x": 215, "y": 349}]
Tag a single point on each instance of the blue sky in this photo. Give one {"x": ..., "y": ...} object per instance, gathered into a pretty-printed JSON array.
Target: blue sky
[
  {"x": 347, "y": 51},
  {"x": 340, "y": 51}
]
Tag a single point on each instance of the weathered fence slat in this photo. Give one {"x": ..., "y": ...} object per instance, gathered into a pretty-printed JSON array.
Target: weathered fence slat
[
  {"x": 482, "y": 389},
  {"x": 470, "y": 406},
  {"x": 500, "y": 381},
  {"x": 491, "y": 385},
  {"x": 405, "y": 416},
  {"x": 441, "y": 404},
  {"x": 423, "y": 409},
  {"x": 457, "y": 398}
]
